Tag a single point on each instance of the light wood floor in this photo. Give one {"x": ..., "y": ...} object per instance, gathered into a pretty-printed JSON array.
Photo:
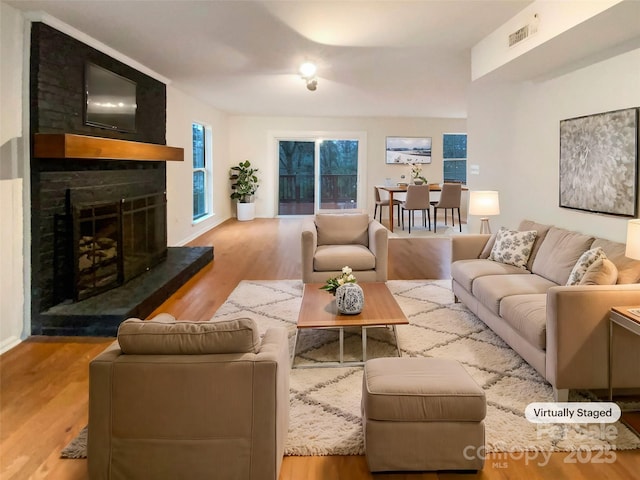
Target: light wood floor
[{"x": 44, "y": 380}]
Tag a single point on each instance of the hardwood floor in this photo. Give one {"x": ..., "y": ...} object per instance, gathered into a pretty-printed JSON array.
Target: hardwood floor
[{"x": 44, "y": 380}]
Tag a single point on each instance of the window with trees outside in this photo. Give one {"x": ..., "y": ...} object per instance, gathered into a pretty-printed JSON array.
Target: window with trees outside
[
  {"x": 201, "y": 167},
  {"x": 454, "y": 154}
]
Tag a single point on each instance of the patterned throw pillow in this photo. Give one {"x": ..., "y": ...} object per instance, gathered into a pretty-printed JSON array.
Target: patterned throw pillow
[
  {"x": 513, "y": 247},
  {"x": 587, "y": 259}
]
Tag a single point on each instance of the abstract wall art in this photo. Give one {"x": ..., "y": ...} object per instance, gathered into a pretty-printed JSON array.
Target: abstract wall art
[{"x": 599, "y": 163}]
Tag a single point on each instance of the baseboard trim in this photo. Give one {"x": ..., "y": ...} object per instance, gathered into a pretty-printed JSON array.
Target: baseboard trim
[{"x": 9, "y": 343}]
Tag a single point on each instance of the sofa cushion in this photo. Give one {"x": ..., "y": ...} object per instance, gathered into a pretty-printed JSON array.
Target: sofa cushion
[
  {"x": 559, "y": 253},
  {"x": 541, "y": 234},
  {"x": 153, "y": 337},
  {"x": 408, "y": 389},
  {"x": 628, "y": 269},
  {"x": 490, "y": 290},
  {"x": 466, "y": 271},
  {"x": 342, "y": 229},
  {"x": 329, "y": 258},
  {"x": 527, "y": 314},
  {"x": 601, "y": 272},
  {"x": 513, "y": 247},
  {"x": 587, "y": 259}
]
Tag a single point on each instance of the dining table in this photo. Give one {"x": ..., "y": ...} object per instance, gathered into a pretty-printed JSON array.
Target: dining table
[{"x": 433, "y": 187}]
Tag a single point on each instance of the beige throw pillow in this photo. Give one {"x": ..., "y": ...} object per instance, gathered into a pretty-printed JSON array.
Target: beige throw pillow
[
  {"x": 486, "y": 251},
  {"x": 601, "y": 272},
  {"x": 584, "y": 262},
  {"x": 513, "y": 247},
  {"x": 541, "y": 230}
]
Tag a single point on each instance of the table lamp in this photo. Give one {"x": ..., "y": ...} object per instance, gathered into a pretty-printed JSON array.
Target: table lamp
[
  {"x": 485, "y": 203},
  {"x": 633, "y": 240}
]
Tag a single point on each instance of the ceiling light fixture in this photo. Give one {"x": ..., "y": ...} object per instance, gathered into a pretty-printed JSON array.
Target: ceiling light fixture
[{"x": 308, "y": 73}]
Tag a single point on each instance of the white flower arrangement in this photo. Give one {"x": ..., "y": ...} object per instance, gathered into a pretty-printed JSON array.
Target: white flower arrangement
[
  {"x": 416, "y": 172},
  {"x": 333, "y": 283}
]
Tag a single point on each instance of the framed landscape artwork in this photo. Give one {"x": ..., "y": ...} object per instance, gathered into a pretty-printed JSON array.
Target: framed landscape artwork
[
  {"x": 599, "y": 163},
  {"x": 403, "y": 150}
]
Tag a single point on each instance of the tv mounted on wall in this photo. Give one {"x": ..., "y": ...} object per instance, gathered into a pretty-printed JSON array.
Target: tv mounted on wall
[{"x": 110, "y": 100}]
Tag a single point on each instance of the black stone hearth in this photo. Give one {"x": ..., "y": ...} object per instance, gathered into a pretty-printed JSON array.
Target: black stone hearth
[{"x": 101, "y": 314}]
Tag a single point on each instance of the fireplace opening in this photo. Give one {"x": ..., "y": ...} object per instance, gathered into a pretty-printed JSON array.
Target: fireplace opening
[
  {"x": 107, "y": 243},
  {"x": 144, "y": 233},
  {"x": 97, "y": 248}
]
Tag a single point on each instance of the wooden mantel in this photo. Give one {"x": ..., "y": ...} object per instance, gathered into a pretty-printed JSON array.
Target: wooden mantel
[{"x": 66, "y": 145}]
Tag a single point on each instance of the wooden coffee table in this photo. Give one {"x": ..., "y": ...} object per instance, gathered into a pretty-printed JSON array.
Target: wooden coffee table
[{"x": 319, "y": 310}]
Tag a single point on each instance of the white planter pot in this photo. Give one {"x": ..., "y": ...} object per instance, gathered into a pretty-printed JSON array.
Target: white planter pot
[{"x": 246, "y": 211}]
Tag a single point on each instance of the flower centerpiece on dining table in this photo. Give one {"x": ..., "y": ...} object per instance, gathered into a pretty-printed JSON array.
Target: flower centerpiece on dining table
[
  {"x": 416, "y": 174},
  {"x": 345, "y": 277}
]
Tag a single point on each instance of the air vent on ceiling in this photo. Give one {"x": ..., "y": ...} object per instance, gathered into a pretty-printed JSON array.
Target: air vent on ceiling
[{"x": 524, "y": 32}]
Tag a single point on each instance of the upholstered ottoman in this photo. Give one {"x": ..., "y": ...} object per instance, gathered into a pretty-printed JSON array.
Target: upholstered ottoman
[{"x": 422, "y": 414}]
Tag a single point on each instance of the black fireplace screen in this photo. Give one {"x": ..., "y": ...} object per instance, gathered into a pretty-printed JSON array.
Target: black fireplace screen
[
  {"x": 144, "y": 234},
  {"x": 114, "y": 242},
  {"x": 97, "y": 248}
]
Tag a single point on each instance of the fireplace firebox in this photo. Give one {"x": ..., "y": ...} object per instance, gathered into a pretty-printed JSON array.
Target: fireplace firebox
[
  {"x": 97, "y": 248},
  {"x": 104, "y": 241}
]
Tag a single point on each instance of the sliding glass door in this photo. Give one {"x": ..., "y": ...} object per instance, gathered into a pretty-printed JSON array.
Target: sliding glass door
[
  {"x": 317, "y": 174},
  {"x": 296, "y": 177}
]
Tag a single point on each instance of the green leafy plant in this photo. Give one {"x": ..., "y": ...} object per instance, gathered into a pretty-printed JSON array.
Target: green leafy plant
[
  {"x": 245, "y": 181},
  {"x": 333, "y": 283}
]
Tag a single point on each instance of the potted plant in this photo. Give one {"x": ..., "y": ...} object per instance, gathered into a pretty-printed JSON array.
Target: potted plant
[{"x": 245, "y": 185}]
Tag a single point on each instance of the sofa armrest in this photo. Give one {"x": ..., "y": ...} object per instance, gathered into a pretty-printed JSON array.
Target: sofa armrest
[
  {"x": 578, "y": 335},
  {"x": 466, "y": 247},
  {"x": 271, "y": 396},
  {"x": 99, "y": 437},
  {"x": 379, "y": 246},
  {"x": 309, "y": 244}
]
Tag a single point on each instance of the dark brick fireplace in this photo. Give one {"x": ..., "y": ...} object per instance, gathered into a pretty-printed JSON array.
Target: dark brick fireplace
[{"x": 99, "y": 243}]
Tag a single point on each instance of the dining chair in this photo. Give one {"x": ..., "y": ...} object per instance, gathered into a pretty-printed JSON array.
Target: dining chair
[
  {"x": 450, "y": 198},
  {"x": 381, "y": 202},
  {"x": 417, "y": 199}
]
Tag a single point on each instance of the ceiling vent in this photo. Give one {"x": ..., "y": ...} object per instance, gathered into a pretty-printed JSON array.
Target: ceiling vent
[{"x": 524, "y": 32}]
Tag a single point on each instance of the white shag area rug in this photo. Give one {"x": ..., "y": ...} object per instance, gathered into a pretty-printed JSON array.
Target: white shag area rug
[{"x": 325, "y": 403}]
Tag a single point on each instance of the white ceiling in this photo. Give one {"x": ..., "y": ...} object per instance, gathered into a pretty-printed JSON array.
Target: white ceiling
[{"x": 375, "y": 58}]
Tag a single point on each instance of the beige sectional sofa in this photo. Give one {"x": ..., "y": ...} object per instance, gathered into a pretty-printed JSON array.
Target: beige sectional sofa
[{"x": 560, "y": 330}]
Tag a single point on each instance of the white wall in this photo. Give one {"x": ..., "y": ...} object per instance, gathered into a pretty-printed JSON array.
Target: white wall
[
  {"x": 182, "y": 111},
  {"x": 11, "y": 263},
  {"x": 514, "y": 136},
  {"x": 11, "y": 186},
  {"x": 11, "y": 52},
  {"x": 250, "y": 139}
]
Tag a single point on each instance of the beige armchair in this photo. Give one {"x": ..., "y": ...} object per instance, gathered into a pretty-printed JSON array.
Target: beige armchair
[
  {"x": 194, "y": 400},
  {"x": 331, "y": 241}
]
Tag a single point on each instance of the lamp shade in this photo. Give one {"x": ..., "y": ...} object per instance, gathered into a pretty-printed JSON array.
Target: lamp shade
[
  {"x": 484, "y": 202},
  {"x": 633, "y": 239}
]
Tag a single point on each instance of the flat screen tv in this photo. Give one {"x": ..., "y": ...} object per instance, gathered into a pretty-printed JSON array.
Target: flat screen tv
[{"x": 110, "y": 100}]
